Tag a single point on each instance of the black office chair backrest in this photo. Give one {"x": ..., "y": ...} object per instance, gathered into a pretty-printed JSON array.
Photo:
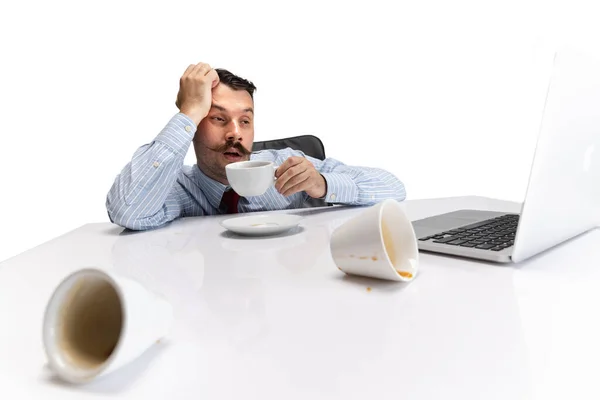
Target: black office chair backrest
[{"x": 308, "y": 144}]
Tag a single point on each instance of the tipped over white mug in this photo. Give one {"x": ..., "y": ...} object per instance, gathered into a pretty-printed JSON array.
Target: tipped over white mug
[
  {"x": 97, "y": 322},
  {"x": 379, "y": 243},
  {"x": 251, "y": 178}
]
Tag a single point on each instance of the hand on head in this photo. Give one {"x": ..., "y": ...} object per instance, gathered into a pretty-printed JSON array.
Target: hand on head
[{"x": 195, "y": 91}]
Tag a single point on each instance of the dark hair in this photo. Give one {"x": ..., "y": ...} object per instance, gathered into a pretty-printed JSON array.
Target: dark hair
[{"x": 235, "y": 82}]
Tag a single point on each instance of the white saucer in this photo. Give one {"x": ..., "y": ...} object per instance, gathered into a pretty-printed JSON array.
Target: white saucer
[{"x": 258, "y": 225}]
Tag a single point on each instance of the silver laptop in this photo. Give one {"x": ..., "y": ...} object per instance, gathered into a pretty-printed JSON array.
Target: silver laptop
[{"x": 563, "y": 192}]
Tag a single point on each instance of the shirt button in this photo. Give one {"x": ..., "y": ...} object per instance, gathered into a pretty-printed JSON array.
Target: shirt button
[
  {"x": 188, "y": 128},
  {"x": 332, "y": 196},
  {"x": 156, "y": 164}
]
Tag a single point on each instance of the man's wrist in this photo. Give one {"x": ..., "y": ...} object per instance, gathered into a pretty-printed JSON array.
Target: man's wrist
[
  {"x": 178, "y": 133},
  {"x": 195, "y": 114},
  {"x": 324, "y": 187}
]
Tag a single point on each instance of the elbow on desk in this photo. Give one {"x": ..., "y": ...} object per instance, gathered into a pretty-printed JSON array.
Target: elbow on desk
[
  {"x": 399, "y": 188},
  {"x": 398, "y": 191},
  {"x": 123, "y": 216},
  {"x": 395, "y": 187},
  {"x": 401, "y": 194},
  {"x": 390, "y": 192}
]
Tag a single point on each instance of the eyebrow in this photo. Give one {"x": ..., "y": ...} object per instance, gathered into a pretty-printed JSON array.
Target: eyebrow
[{"x": 221, "y": 108}]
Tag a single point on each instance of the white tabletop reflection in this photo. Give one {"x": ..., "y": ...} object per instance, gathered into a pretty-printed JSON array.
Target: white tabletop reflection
[{"x": 272, "y": 317}]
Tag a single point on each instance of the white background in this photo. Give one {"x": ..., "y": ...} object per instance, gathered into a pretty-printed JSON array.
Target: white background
[{"x": 445, "y": 94}]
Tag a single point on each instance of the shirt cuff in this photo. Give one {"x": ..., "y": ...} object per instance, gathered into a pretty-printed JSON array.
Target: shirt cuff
[
  {"x": 178, "y": 133},
  {"x": 340, "y": 188}
]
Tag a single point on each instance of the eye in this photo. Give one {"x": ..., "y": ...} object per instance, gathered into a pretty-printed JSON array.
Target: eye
[
  {"x": 246, "y": 122},
  {"x": 218, "y": 119}
]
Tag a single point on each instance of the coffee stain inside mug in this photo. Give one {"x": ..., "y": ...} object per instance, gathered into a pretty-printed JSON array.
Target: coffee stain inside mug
[{"x": 90, "y": 321}]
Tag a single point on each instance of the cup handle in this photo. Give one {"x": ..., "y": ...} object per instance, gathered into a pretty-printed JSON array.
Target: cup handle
[{"x": 275, "y": 170}]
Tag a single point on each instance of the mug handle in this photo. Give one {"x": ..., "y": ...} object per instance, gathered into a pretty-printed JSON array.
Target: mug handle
[{"x": 275, "y": 170}]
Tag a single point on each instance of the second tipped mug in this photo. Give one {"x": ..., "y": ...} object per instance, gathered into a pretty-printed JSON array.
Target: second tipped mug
[{"x": 97, "y": 321}]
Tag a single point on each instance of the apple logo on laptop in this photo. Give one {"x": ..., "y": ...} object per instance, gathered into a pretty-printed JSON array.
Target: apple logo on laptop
[{"x": 587, "y": 158}]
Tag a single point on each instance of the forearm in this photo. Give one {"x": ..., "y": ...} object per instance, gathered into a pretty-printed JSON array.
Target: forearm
[
  {"x": 361, "y": 185},
  {"x": 140, "y": 191}
]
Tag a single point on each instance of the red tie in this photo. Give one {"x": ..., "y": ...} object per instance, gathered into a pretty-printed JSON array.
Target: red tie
[{"x": 230, "y": 199}]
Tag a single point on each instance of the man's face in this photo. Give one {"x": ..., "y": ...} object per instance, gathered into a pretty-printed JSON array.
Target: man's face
[{"x": 227, "y": 132}]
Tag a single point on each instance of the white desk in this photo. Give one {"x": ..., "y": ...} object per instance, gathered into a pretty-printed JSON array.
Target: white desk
[{"x": 274, "y": 319}]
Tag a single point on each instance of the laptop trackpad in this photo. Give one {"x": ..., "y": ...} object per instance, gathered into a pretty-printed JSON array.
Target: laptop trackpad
[{"x": 439, "y": 223}]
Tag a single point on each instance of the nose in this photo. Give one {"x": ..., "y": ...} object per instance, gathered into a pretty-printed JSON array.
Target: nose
[{"x": 233, "y": 134}]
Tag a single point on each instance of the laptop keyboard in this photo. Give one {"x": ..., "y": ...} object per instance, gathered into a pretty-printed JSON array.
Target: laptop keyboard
[{"x": 494, "y": 234}]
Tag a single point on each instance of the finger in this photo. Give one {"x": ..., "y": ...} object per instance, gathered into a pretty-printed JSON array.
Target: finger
[
  {"x": 213, "y": 77},
  {"x": 289, "y": 174},
  {"x": 295, "y": 189},
  {"x": 201, "y": 70},
  {"x": 294, "y": 182},
  {"x": 287, "y": 164},
  {"x": 310, "y": 185},
  {"x": 299, "y": 187},
  {"x": 194, "y": 69},
  {"x": 296, "y": 175},
  {"x": 188, "y": 70}
]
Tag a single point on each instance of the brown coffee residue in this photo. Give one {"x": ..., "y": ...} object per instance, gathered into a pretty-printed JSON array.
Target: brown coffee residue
[
  {"x": 405, "y": 274},
  {"x": 374, "y": 258},
  {"x": 363, "y": 258},
  {"x": 368, "y": 289},
  {"x": 109, "y": 351},
  {"x": 91, "y": 321}
]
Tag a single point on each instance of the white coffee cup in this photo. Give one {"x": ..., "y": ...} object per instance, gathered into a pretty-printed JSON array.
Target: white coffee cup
[
  {"x": 251, "y": 178},
  {"x": 379, "y": 243},
  {"x": 96, "y": 322}
]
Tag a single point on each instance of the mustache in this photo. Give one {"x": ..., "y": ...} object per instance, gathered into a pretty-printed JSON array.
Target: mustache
[{"x": 230, "y": 144}]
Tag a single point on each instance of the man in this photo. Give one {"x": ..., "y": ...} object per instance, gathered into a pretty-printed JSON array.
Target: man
[{"x": 217, "y": 115}]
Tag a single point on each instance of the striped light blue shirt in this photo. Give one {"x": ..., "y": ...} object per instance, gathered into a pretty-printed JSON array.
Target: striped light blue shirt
[{"x": 155, "y": 187}]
